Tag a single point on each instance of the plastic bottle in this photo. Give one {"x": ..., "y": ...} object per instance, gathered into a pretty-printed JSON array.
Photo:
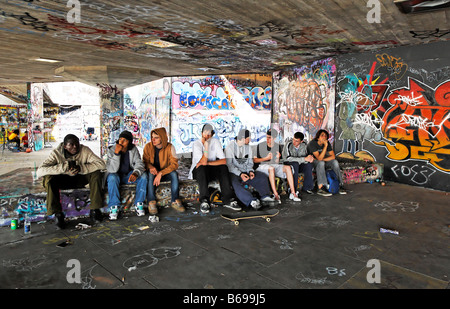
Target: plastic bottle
[{"x": 26, "y": 225}]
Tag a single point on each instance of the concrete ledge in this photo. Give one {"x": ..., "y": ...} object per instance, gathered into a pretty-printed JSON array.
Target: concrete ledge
[{"x": 76, "y": 202}]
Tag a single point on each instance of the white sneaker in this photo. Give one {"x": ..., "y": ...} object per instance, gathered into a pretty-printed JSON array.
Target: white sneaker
[
  {"x": 267, "y": 199},
  {"x": 255, "y": 204},
  {"x": 204, "y": 207},
  {"x": 294, "y": 198},
  {"x": 139, "y": 207},
  {"x": 233, "y": 205},
  {"x": 153, "y": 218},
  {"x": 113, "y": 212}
]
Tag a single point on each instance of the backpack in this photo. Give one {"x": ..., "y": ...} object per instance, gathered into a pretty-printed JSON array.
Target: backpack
[{"x": 333, "y": 182}]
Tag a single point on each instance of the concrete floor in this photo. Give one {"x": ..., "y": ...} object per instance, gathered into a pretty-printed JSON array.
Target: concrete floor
[{"x": 319, "y": 243}]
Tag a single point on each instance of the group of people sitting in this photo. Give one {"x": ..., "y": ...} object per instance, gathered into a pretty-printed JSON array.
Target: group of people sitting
[{"x": 243, "y": 176}]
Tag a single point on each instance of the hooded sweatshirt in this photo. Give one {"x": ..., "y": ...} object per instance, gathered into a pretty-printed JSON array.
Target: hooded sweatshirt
[
  {"x": 168, "y": 160},
  {"x": 57, "y": 163},
  {"x": 239, "y": 158}
]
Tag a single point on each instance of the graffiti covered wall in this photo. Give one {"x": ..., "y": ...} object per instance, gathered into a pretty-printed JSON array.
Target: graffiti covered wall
[
  {"x": 111, "y": 115},
  {"x": 393, "y": 107},
  {"x": 304, "y": 98},
  {"x": 229, "y": 103},
  {"x": 147, "y": 107}
]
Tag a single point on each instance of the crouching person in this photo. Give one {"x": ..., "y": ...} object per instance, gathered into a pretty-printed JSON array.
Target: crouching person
[
  {"x": 124, "y": 166},
  {"x": 71, "y": 166},
  {"x": 160, "y": 158}
]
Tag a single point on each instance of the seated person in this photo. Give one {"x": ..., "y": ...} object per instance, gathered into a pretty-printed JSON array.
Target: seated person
[
  {"x": 124, "y": 166},
  {"x": 209, "y": 163},
  {"x": 70, "y": 166},
  {"x": 324, "y": 158},
  {"x": 267, "y": 161},
  {"x": 161, "y": 161},
  {"x": 296, "y": 154},
  {"x": 14, "y": 137},
  {"x": 25, "y": 140},
  {"x": 240, "y": 164}
]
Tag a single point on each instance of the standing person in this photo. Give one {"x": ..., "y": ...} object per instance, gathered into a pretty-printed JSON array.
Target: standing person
[
  {"x": 296, "y": 155},
  {"x": 71, "y": 166},
  {"x": 267, "y": 161},
  {"x": 240, "y": 164},
  {"x": 124, "y": 166},
  {"x": 209, "y": 163},
  {"x": 160, "y": 158},
  {"x": 324, "y": 157}
]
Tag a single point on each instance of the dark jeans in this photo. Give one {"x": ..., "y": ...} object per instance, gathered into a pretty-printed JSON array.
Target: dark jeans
[
  {"x": 54, "y": 183},
  {"x": 205, "y": 173},
  {"x": 307, "y": 170},
  {"x": 260, "y": 182}
]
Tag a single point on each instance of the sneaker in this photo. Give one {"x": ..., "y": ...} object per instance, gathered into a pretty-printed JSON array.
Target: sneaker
[
  {"x": 152, "y": 209},
  {"x": 342, "y": 190},
  {"x": 322, "y": 192},
  {"x": 294, "y": 198},
  {"x": 267, "y": 199},
  {"x": 96, "y": 215},
  {"x": 308, "y": 191},
  {"x": 178, "y": 206},
  {"x": 204, "y": 207},
  {"x": 59, "y": 221},
  {"x": 233, "y": 205},
  {"x": 277, "y": 199},
  {"x": 153, "y": 218},
  {"x": 113, "y": 212},
  {"x": 255, "y": 204},
  {"x": 139, "y": 207}
]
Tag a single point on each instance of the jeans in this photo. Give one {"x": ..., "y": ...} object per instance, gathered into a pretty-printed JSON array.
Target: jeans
[
  {"x": 114, "y": 181},
  {"x": 54, "y": 183},
  {"x": 174, "y": 186},
  {"x": 321, "y": 166},
  {"x": 305, "y": 168},
  {"x": 260, "y": 182}
]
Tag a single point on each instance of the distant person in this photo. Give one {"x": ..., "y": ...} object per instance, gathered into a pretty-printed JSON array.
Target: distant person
[
  {"x": 71, "y": 166},
  {"x": 14, "y": 137},
  {"x": 240, "y": 164},
  {"x": 295, "y": 154},
  {"x": 124, "y": 166},
  {"x": 267, "y": 160},
  {"x": 324, "y": 157},
  {"x": 161, "y": 161},
  {"x": 209, "y": 163},
  {"x": 25, "y": 140}
]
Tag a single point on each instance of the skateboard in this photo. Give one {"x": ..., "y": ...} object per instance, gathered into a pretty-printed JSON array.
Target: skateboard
[{"x": 265, "y": 214}]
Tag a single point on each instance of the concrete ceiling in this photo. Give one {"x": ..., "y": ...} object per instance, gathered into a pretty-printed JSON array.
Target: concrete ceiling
[{"x": 125, "y": 43}]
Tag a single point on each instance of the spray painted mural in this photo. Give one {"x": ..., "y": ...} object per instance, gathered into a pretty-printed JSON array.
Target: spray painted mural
[
  {"x": 229, "y": 103},
  {"x": 393, "y": 107},
  {"x": 111, "y": 115},
  {"x": 147, "y": 107},
  {"x": 304, "y": 98}
]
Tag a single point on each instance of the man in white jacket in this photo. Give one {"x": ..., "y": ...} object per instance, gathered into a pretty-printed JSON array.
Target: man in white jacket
[{"x": 71, "y": 166}]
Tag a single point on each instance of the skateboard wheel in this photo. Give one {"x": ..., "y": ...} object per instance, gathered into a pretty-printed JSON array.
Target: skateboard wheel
[
  {"x": 236, "y": 222},
  {"x": 268, "y": 219}
]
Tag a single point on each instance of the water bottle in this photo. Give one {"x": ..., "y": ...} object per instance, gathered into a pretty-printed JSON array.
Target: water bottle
[{"x": 27, "y": 225}]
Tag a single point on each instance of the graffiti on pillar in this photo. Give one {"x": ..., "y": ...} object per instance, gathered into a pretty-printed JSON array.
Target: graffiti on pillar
[
  {"x": 304, "y": 98},
  {"x": 228, "y": 102},
  {"x": 111, "y": 115}
]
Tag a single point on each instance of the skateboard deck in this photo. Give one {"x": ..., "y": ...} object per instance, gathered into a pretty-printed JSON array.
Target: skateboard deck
[{"x": 265, "y": 214}]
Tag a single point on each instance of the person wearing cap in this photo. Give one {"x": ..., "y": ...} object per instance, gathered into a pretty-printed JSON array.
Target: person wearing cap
[
  {"x": 267, "y": 161},
  {"x": 124, "y": 166},
  {"x": 240, "y": 165},
  {"x": 209, "y": 163},
  {"x": 160, "y": 159},
  {"x": 296, "y": 154},
  {"x": 71, "y": 166}
]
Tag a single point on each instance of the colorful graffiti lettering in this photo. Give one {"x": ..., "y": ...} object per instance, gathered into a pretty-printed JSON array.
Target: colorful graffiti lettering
[{"x": 418, "y": 123}]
